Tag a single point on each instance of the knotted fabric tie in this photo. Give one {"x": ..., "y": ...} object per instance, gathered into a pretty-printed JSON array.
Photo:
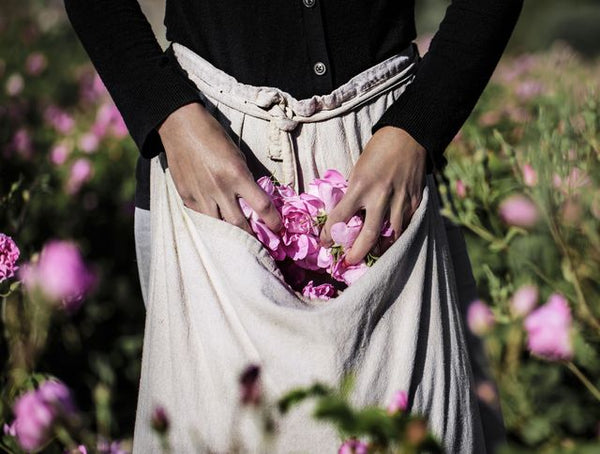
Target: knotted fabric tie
[{"x": 280, "y": 145}]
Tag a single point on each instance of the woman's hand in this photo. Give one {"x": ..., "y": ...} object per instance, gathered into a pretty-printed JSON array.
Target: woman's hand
[
  {"x": 389, "y": 176},
  {"x": 210, "y": 171}
]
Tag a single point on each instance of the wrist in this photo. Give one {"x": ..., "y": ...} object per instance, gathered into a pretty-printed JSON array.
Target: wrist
[
  {"x": 180, "y": 117},
  {"x": 403, "y": 140}
]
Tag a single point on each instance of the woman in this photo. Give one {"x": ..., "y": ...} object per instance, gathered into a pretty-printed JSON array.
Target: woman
[{"x": 304, "y": 48}]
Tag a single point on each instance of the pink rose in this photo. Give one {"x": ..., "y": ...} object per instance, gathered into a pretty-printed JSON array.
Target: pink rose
[
  {"x": 461, "y": 189},
  {"x": 524, "y": 300},
  {"x": 330, "y": 189},
  {"x": 81, "y": 171},
  {"x": 159, "y": 420},
  {"x": 36, "y": 411},
  {"x": 59, "y": 153},
  {"x": 59, "y": 119},
  {"x": 250, "y": 385},
  {"x": 299, "y": 214},
  {"x": 529, "y": 175},
  {"x": 22, "y": 143},
  {"x": 345, "y": 234},
  {"x": 348, "y": 274},
  {"x": 323, "y": 291},
  {"x": 9, "y": 254},
  {"x": 398, "y": 403},
  {"x": 353, "y": 446},
  {"x": 14, "y": 84},
  {"x": 519, "y": 211},
  {"x": 89, "y": 142},
  {"x": 36, "y": 62},
  {"x": 60, "y": 274},
  {"x": 479, "y": 318},
  {"x": 109, "y": 120},
  {"x": 549, "y": 329},
  {"x": 264, "y": 234}
]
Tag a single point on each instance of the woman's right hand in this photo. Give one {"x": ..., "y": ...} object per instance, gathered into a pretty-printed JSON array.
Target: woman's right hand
[{"x": 210, "y": 171}]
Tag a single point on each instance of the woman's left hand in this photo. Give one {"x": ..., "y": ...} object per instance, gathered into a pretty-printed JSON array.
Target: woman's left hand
[{"x": 389, "y": 177}]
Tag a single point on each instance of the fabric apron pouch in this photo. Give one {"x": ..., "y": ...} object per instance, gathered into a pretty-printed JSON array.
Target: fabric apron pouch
[{"x": 217, "y": 300}]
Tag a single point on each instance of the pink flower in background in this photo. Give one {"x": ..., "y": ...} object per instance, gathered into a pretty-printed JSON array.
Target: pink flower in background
[
  {"x": 549, "y": 330},
  {"x": 159, "y": 420},
  {"x": 353, "y": 446},
  {"x": 461, "y": 189},
  {"x": 398, "y": 403},
  {"x": 250, "y": 385},
  {"x": 91, "y": 87},
  {"x": 59, "y": 119},
  {"x": 345, "y": 234},
  {"x": 524, "y": 300},
  {"x": 323, "y": 291},
  {"x": 529, "y": 89},
  {"x": 529, "y": 175},
  {"x": 109, "y": 121},
  {"x": 110, "y": 447},
  {"x": 60, "y": 274},
  {"x": 9, "y": 254},
  {"x": 10, "y": 429},
  {"x": 36, "y": 63},
  {"x": 89, "y": 142},
  {"x": 36, "y": 411},
  {"x": 81, "y": 171},
  {"x": 22, "y": 144},
  {"x": 59, "y": 153},
  {"x": 576, "y": 179},
  {"x": 519, "y": 211},
  {"x": 479, "y": 318},
  {"x": 14, "y": 84}
]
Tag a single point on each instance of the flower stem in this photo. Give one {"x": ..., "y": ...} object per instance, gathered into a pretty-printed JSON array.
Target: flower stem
[{"x": 581, "y": 376}]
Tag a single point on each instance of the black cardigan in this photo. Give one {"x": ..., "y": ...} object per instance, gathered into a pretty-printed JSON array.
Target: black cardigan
[{"x": 276, "y": 43}]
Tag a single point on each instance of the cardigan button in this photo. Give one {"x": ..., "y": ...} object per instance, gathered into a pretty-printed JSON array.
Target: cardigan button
[
  {"x": 309, "y": 3},
  {"x": 319, "y": 68}
]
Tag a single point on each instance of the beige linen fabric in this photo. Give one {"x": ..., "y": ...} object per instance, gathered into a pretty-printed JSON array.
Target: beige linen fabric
[{"x": 217, "y": 301}]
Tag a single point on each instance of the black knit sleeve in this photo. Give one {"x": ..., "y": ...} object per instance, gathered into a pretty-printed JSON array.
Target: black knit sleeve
[
  {"x": 453, "y": 73},
  {"x": 145, "y": 83}
]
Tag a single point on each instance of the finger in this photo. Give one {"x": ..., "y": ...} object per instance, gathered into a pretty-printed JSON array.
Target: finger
[
  {"x": 397, "y": 214},
  {"x": 342, "y": 212},
  {"x": 414, "y": 202},
  {"x": 369, "y": 234},
  {"x": 262, "y": 204},
  {"x": 232, "y": 213}
]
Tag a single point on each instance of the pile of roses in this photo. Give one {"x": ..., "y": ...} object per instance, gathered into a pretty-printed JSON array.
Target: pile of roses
[{"x": 317, "y": 271}]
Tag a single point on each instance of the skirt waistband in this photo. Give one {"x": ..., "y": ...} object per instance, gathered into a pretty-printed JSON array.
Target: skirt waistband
[{"x": 271, "y": 102}]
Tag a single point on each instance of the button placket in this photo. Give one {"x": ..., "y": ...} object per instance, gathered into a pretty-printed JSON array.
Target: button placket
[{"x": 316, "y": 46}]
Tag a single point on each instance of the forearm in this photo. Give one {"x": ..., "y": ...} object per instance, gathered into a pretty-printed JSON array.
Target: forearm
[
  {"x": 144, "y": 83},
  {"x": 453, "y": 73}
]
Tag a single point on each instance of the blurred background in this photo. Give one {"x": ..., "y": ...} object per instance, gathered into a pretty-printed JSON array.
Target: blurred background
[{"x": 524, "y": 173}]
